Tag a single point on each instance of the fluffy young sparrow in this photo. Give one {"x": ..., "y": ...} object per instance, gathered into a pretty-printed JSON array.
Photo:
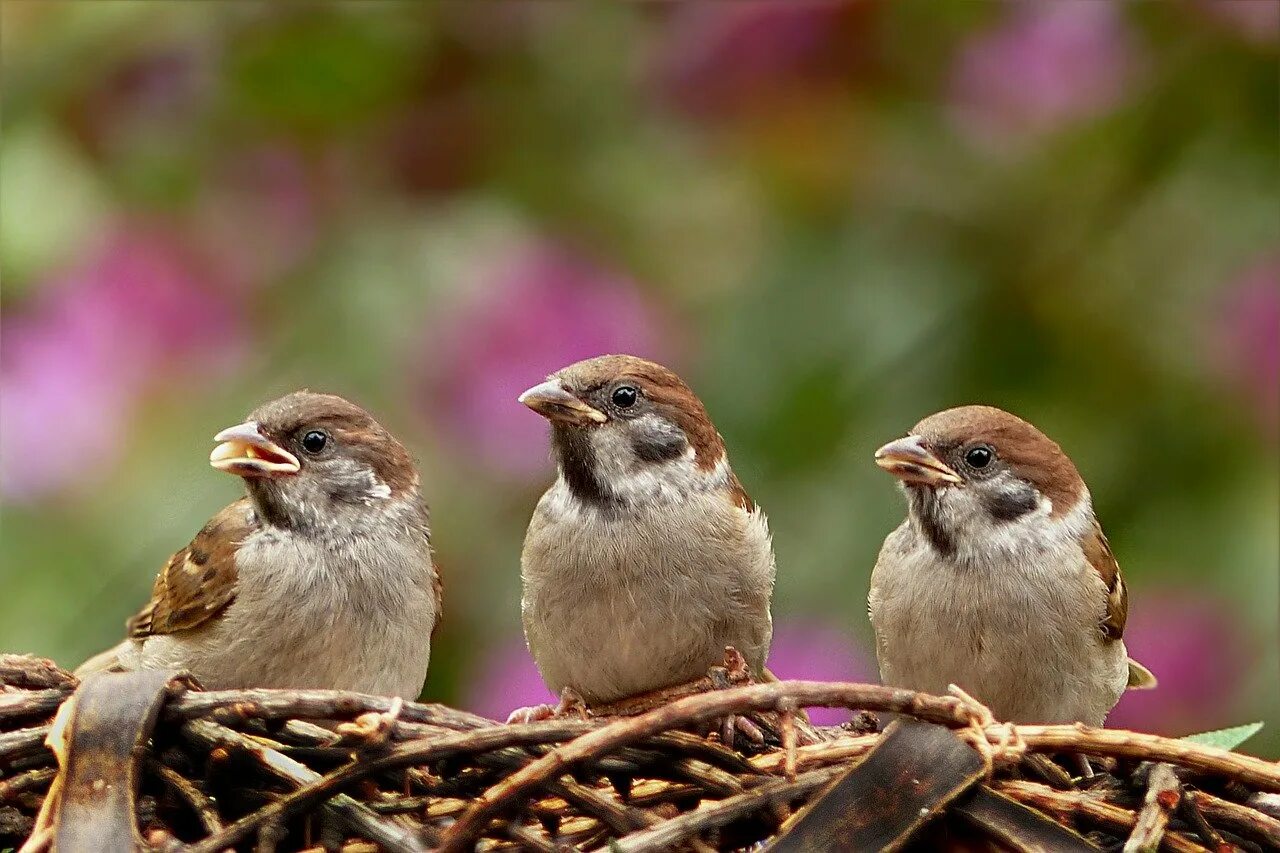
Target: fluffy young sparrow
[
  {"x": 645, "y": 558},
  {"x": 1000, "y": 580},
  {"x": 322, "y": 577}
]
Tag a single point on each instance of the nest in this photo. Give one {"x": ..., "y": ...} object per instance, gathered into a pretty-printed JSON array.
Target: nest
[{"x": 146, "y": 760}]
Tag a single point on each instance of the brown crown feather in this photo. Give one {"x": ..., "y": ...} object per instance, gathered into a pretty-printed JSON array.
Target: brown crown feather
[
  {"x": 1031, "y": 454},
  {"x": 663, "y": 387},
  {"x": 349, "y": 424}
]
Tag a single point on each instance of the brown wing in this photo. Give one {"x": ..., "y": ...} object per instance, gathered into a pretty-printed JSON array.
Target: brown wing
[
  {"x": 437, "y": 589},
  {"x": 1098, "y": 553},
  {"x": 200, "y": 580}
]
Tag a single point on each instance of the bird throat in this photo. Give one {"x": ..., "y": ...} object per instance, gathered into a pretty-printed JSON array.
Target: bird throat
[
  {"x": 926, "y": 508},
  {"x": 577, "y": 460}
]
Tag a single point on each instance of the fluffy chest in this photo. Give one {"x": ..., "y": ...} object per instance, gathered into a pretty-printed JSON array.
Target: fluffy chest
[
  {"x": 1019, "y": 631},
  {"x": 354, "y": 614},
  {"x": 618, "y": 603}
]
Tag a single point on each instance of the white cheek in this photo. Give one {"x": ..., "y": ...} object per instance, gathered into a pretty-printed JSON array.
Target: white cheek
[
  {"x": 981, "y": 538},
  {"x": 632, "y": 479}
]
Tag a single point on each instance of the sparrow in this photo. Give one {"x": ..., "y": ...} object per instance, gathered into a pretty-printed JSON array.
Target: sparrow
[
  {"x": 646, "y": 557},
  {"x": 320, "y": 577},
  {"x": 1000, "y": 579}
]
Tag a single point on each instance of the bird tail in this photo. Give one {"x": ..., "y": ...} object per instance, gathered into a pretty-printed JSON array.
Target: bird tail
[{"x": 1140, "y": 678}]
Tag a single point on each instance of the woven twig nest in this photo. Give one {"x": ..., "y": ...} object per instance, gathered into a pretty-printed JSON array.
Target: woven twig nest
[{"x": 135, "y": 760}]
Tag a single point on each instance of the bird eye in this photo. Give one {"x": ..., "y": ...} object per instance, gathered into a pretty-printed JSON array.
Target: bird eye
[
  {"x": 978, "y": 457},
  {"x": 314, "y": 441},
  {"x": 624, "y": 396}
]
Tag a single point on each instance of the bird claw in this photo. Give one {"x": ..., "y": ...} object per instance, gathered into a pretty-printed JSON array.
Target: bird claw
[
  {"x": 531, "y": 714},
  {"x": 372, "y": 728},
  {"x": 570, "y": 704}
]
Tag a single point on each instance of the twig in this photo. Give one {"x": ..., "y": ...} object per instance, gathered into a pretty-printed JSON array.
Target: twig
[
  {"x": 10, "y": 788},
  {"x": 670, "y": 833},
  {"x": 689, "y": 711},
  {"x": 320, "y": 788},
  {"x": 25, "y": 703},
  {"x": 1241, "y": 819},
  {"x": 22, "y": 742},
  {"x": 1071, "y": 804},
  {"x": 200, "y": 805},
  {"x": 358, "y": 816},
  {"x": 1118, "y": 743},
  {"x": 231, "y": 706},
  {"x": 1163, "y": 794},
  {"x": 1191, "y": 812}
]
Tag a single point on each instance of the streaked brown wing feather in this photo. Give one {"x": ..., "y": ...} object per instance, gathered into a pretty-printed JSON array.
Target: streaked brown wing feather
[
  {"x": 199, "y": 580},
  {"x": 1098, "y": 552}
]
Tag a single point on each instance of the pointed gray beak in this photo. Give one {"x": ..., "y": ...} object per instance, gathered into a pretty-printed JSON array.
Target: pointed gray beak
[
  {"x": 911, "y": 461},
  {"x": 553, "y": 402}
]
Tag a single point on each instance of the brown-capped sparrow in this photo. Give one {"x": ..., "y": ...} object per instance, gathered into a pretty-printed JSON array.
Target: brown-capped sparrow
[
  {"x": 1000, "y": 580},
  {"x": 645, "y": 558},
  {"x": 322, "y": 577}
]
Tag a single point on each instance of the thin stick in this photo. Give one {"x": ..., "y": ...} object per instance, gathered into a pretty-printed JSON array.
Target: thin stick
[
  {"x": 23, "y": 703},
  {"x": 10, "y": 788},
  {"x": 1191, "y": 812},
  {"x": 1238, "y": 818},
  {"x": 669, "y": 834},
  {"x": 1072, "y": 804},
  {"x": 1162, "y": 797},
  {"x": 1118, "y": 743},
  {"x": 320, "y": 788},
  {"x": 22, "y": 742},
  {"x": 201, "y": 805},
  {"x": 237, "y": 705},
  {"x": 359, "y": 817},
  {"x": 693, "y": 710}
]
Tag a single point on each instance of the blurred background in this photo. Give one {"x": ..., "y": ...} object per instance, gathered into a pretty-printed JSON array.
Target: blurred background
[{"x": 833, "y": 219}]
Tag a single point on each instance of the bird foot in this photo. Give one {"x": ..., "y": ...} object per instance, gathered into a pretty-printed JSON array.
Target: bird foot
[
  {"x": 571, "y": 704},
  {"x": 372, "y": 728}
]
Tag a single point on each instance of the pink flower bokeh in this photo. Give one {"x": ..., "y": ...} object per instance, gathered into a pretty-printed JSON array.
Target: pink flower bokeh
[
  {"x": 1248, "y": 339},
  {"x": 74, "y": 360},
  {"x": 717, "y": 60},
  {"x": 1199, "y": 652},
  {"x": 1041, "y": 68},
  {"x": 539, "y": 307}
]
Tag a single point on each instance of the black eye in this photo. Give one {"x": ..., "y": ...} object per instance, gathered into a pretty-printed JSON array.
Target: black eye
[
  {"x": 314, "y": 441},
  {"x": 624, "y": 396},
  {"x": 978, "y": 457}
]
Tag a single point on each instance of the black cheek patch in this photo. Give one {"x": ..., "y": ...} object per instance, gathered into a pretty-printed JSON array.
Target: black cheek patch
[
  {"x": 1011, "y": 504},
  {"x": 658, "y": 446}
]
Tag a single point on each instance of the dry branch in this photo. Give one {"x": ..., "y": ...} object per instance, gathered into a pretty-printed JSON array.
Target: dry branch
[{"x": 286, "y": 770}]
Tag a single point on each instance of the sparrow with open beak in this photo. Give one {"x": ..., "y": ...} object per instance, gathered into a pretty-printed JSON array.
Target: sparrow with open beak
[
  {"x": 321, "y": 577},
  {"x": 1000, "y": 579},
  {"x": 645, "y": 558}
]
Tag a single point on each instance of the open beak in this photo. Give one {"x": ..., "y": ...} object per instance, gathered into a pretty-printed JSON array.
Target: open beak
[
  {"x": 554, "y": 403},
  {"x": 911, "y": 461},
  {"x": 246, "y": 452}
]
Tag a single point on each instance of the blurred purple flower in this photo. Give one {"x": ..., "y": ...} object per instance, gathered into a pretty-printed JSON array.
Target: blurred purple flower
[
  {"x": 817, "y": 652},
  {"x": 1043, "y": 67},
  {"x": 1195, "y": 647},
  {"x": 719, "y": 59},
  {"x": 263, "y": 216},
  {"x": 73, "y": 361},
  {"x": 1253, "y": 20},
  {"x": 508, "y": 678},
  {"x": 538, "y": 309},
  {"x": 1249, "y": 338}
]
